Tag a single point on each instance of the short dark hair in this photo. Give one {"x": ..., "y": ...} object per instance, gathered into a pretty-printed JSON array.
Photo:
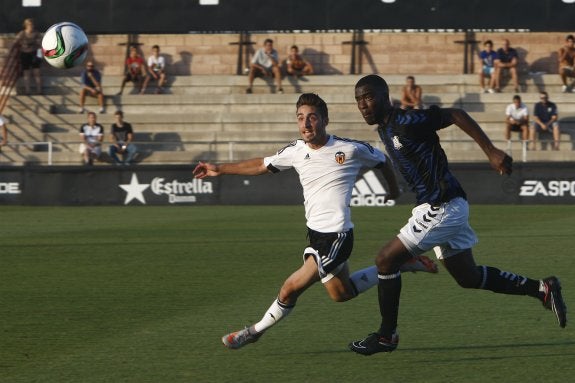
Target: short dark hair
[
  {"x": 268, "y": 41},
  {"x": 374, "y": 81},
  {"x": 155, "y": 46},
  {"x": 119, "y": 113},
  {"x": 488, "y": 42},
  {"x": 517, "y": 97},
  {"x": 294, "y": 47},
  {"x": 410, "y": 78},
  {"x": 569, "y": 37},
  {"x": 312, "y": 99}
]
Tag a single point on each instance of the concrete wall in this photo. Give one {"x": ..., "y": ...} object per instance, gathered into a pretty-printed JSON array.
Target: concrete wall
[{"x": 387, "y": 52}]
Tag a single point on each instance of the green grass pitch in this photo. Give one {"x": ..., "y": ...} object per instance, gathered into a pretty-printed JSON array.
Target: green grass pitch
[{"x": 144, "y": 294}]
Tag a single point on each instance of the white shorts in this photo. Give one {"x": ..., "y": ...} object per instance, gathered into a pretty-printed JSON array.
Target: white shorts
[
  {"x": 444, "y": 228},
  {"x": 95, "y": 150}
]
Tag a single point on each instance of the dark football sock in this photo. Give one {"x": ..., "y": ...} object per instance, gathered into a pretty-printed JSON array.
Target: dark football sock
[
  {"x": 504, "y": 282},
  {"x": 389, "y": 290}
]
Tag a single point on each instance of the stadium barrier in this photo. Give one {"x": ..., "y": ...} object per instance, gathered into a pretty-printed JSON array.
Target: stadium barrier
[{"x": 530, "y": 183}]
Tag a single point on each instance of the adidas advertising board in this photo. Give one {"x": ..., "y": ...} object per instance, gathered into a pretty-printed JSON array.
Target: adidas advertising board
[{"x": 369, "y": 190}]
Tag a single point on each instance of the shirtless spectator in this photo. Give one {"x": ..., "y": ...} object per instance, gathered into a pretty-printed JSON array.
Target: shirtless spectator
[
  {"x": 296, "y": 65},
  {"x": 411, "y": 95},
  {"x": 566, "y": 62}
]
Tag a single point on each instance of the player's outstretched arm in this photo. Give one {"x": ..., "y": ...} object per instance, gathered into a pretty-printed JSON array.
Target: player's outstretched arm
[
  {"x": 251, "y": 167},
  {"x": 499, "y": 160}
]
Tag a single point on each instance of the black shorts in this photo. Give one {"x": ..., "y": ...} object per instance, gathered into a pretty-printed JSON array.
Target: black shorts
[
  {"x": 516, "y": 127},
  {"x": 29, "y": 60},
  {"x": 330, "y": 250}
]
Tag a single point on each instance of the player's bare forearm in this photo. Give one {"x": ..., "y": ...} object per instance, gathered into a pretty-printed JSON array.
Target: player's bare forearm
[
  {"x": 499, "y": 160},
  {"x": 391, "y": 180},
  {"x": 251, "y": 167}
]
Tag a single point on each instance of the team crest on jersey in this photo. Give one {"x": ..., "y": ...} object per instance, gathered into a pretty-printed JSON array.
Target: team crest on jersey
[
  {"x": 396, "y": 143},
  {"x": 340, "y": 157}
]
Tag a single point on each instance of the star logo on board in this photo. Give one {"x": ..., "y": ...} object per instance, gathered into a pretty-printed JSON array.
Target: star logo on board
[{"x": 134, "y": 190}]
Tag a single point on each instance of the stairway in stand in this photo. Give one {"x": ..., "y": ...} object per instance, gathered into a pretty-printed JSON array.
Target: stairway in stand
[{"x": 211, "y": 117}]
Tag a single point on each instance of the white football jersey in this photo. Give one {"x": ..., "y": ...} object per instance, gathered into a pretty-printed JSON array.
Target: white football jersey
[{"x": 327, "y": 175}]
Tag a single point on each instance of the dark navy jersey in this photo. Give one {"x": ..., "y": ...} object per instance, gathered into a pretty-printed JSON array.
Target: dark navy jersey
[{"x": 411, "y": 141}]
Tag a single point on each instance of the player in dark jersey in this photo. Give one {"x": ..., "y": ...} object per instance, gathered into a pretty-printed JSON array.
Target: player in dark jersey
[{"x": 440, "y": 220}]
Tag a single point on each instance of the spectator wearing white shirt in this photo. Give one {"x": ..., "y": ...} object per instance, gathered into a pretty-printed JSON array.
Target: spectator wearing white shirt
[
  {"x": 92, "y": 135},
  {"x": 517, "y": 119},
  {"x": 265, "y": 63},
  {"x": 156, "y": 68}
]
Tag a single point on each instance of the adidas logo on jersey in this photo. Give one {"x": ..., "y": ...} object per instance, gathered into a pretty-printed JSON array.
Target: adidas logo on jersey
[
  {"x": 369, "y": 191},
  {"x": 307, "y": 157}
]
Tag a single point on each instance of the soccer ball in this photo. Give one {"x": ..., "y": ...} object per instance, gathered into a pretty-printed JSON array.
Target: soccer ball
[{"x": 65, "y": 45}]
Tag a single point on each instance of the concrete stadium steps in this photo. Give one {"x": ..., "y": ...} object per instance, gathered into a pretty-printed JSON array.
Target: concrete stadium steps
[
  {"x": 321, "y": 84},
  {"x": 202, "y": 114}
]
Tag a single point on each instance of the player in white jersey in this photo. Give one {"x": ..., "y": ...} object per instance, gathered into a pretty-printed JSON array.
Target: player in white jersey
[{"x": 328, "y": 167}]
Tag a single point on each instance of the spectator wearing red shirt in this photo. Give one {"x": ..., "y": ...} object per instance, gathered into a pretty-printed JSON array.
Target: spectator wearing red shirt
[{"x": 135, "y": 70}]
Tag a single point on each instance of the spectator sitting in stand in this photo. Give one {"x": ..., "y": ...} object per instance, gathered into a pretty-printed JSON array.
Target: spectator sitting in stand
[
  {"x": 92, "y": 133},
  {"x": 507, "y": 59},
  {"x": 156, "y": 68},
  {"x": 296, "y": 65},
  {"x": 411, "y": 95},
  {"x": 545, "y": 121},
  {"x": 517, "y": 119},
  {"x": 122, "y": 136},
  {"x": 567, "y": 62},
  {"x": 488, "y": 57},
  {"x": 92, "y": 85},
  {"x": 265, "y": 63},
  {"x": 135, "y": 70}
]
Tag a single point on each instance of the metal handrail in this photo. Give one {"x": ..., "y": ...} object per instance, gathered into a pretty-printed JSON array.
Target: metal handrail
[{"x": 232, "y": 145}]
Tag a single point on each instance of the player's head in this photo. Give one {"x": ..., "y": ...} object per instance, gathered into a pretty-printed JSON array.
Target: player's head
[
  {"x": 517, "y": 100},
  {"x": 156, "y": 49},
  {"x": 312, "y": 118},
  {"x": 372, "y": 97}
]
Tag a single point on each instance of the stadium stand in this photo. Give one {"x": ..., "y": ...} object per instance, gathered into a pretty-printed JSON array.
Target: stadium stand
[{"x": 206, "y": 115}]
